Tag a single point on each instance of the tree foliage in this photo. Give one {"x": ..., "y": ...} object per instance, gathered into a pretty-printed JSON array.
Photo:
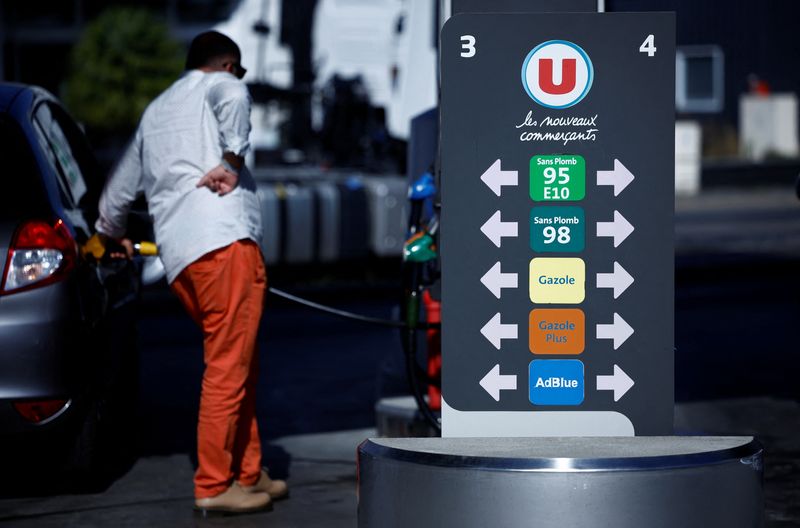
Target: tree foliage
[{"x": 124, "y": 59}]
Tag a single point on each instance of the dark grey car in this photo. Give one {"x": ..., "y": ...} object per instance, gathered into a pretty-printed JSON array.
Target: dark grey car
[{"x": 67, "y": 328}]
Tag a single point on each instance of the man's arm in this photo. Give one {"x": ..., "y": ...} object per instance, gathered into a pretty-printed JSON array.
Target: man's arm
[
  {"x": 119, "y": 193},
  {"x": 230, "y": 102},
  {"x": 224, "y": 177}
]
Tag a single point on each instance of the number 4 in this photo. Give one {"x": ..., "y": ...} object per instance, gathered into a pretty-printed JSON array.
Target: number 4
[{"x": 648, "y": 46}]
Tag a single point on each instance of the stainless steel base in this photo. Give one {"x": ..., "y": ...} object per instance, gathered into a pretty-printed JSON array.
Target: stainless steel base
[{"x": 560, "y": 482}]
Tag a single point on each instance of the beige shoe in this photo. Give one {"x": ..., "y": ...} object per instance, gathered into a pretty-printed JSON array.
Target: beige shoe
[
  {"x": 233, "y": 500},
  {"x": 277, "y": 489}
]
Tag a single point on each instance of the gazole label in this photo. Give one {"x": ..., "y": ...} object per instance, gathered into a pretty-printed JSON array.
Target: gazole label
[{"x": 557, "y": 281}]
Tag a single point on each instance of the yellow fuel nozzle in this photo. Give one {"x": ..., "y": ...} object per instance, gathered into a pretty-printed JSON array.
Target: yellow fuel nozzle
[
  {"x": 146, "y": 249},
  {"x": 95, "y": 247}
]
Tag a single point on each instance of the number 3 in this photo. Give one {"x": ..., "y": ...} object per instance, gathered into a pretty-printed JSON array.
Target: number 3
[{"x": 467, "y": 46}]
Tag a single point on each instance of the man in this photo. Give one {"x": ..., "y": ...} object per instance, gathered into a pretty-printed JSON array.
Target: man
[{"x": 187, "y": 155}]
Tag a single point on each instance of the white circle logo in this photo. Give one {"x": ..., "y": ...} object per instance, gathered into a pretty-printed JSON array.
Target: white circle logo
[{"x": 557, "y": 74}]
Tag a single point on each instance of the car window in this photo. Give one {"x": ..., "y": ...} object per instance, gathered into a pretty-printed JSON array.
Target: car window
[
  {"x": 60, "y": 154},
  {"x": 23, "y": 195},
  {"x": 69, "y": 153}
]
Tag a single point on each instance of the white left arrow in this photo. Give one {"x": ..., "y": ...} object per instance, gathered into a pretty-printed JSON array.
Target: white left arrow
[
  {"x": 495, "y": 178},
  {"x": 494, "y": 382},
  {"x": 619, "y": 229},
  {"x": 495, "y": 229},
  {"x": 619, "y": 382},
  {"x": 495, "y": 280},
  {"x": 619, "y": 331},
  {"x": 619, "y": 280},
  {"x": 620, "y": 177},
  {"x": 495, "y": 331}
]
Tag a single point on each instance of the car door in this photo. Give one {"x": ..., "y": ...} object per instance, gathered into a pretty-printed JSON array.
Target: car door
[{"x": 106, "y": 285}]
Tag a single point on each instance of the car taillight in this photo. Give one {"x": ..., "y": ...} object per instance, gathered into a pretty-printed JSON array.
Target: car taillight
[
  {"x": 39, "y": 411},
  {"x": 39, "y": 254}
]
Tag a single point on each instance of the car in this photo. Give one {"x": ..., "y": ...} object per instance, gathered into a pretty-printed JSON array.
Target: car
[{"x": 68, "y": 364}]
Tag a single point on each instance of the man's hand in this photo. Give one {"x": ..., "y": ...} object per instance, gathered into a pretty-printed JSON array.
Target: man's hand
[
  {"x": 101, "y": 245},
  {"x": 219, "y": 180},
  {"x": 117, "y": 248},
  {"x": 124, "y": 244}
]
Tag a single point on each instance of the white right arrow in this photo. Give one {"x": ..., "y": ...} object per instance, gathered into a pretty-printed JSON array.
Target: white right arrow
[
  {"x": 495, "y": 331},
  {"x": 494, "y": 382},
  {"x": 619, "y": 229},
  {"x": 495, "y": 177},
  {"x": 495, "y": 229},
  {"x": 620, "y": 177},
  {"x": 619, "y": 331},
  {"x": 496, "y": 280},
  {"x": 619, "y": 280},
  {"x": 619, "y": 382}
]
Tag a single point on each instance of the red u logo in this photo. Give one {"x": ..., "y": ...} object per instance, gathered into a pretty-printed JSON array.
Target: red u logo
[{"x": 568, "y": 69}]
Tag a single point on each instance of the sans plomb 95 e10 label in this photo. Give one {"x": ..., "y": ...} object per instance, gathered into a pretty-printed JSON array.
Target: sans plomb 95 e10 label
[{"x": 558, "y": 178}]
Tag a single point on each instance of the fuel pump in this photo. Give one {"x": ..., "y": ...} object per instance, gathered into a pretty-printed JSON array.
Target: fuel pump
[{"x": 420, "y": 270}]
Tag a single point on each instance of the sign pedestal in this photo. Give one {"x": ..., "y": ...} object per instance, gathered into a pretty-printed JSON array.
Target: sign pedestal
[{"x": 557, "y": 482}]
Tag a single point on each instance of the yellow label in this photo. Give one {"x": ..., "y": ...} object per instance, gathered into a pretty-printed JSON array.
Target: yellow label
[{"x": 557, "y": 280}]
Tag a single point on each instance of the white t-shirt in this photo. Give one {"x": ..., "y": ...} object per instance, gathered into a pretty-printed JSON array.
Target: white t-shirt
[{"x": 182, "y": 135}]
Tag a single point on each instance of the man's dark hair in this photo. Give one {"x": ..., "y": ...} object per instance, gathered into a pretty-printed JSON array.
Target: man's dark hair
[{"x": 209, "y": 46}]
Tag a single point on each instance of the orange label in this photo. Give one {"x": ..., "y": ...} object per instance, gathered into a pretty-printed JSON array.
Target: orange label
[{"x": 557, "y": 331}]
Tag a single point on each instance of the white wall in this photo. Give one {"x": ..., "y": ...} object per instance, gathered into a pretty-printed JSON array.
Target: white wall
[{"x": 768, "y": 125}]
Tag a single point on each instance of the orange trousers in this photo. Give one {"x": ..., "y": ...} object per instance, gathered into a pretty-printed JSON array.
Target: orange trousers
[{"x": 223, "y": 291}]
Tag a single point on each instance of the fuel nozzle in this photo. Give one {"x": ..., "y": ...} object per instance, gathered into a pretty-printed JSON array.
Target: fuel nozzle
[
  {"x": 423, "y": 188},
  {"x": 98, "y": 246},
  {"x": 145, "y": 249},
  {"x": 95, "y": 247}
]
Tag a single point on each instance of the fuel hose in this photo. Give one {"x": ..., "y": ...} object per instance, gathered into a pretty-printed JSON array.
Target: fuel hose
[
  {"x": 409, "y": 328},
  {"x": 96, "y": 246},
  {"x": 393, "y": 323}
]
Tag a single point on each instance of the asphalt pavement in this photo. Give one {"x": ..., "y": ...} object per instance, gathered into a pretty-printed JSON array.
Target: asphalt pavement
[
  {"x": 157, "y": 490},
  {"x": 737, "y": 307}
]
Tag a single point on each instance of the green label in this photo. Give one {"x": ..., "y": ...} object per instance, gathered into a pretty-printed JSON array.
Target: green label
[
  {"x": 558, "y": 229},
  {"x": 558, "y": 178}
]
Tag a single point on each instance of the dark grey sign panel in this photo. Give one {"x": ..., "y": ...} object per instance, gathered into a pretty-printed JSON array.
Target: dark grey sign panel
[
  {"x": 557, "y": 151},
  {"x": 523, "y": 6}
]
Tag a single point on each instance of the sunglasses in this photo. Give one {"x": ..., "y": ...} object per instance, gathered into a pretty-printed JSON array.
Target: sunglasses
[{"x": 238, "y": 69}]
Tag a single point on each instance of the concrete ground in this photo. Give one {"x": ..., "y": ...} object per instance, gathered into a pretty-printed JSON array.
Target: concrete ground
[
  {"x": 776, "y": 424},
  {"x": 157, "y": 491}
]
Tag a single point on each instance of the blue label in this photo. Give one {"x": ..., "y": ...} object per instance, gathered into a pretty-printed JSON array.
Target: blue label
[{"x": 556, "y": 382}]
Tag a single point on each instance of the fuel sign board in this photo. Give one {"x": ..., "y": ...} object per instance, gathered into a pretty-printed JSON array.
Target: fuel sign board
[{"x": 557, "y": 181}]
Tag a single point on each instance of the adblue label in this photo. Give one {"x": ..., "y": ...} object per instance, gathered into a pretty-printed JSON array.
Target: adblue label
[{"x": 556, "y": 382}]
